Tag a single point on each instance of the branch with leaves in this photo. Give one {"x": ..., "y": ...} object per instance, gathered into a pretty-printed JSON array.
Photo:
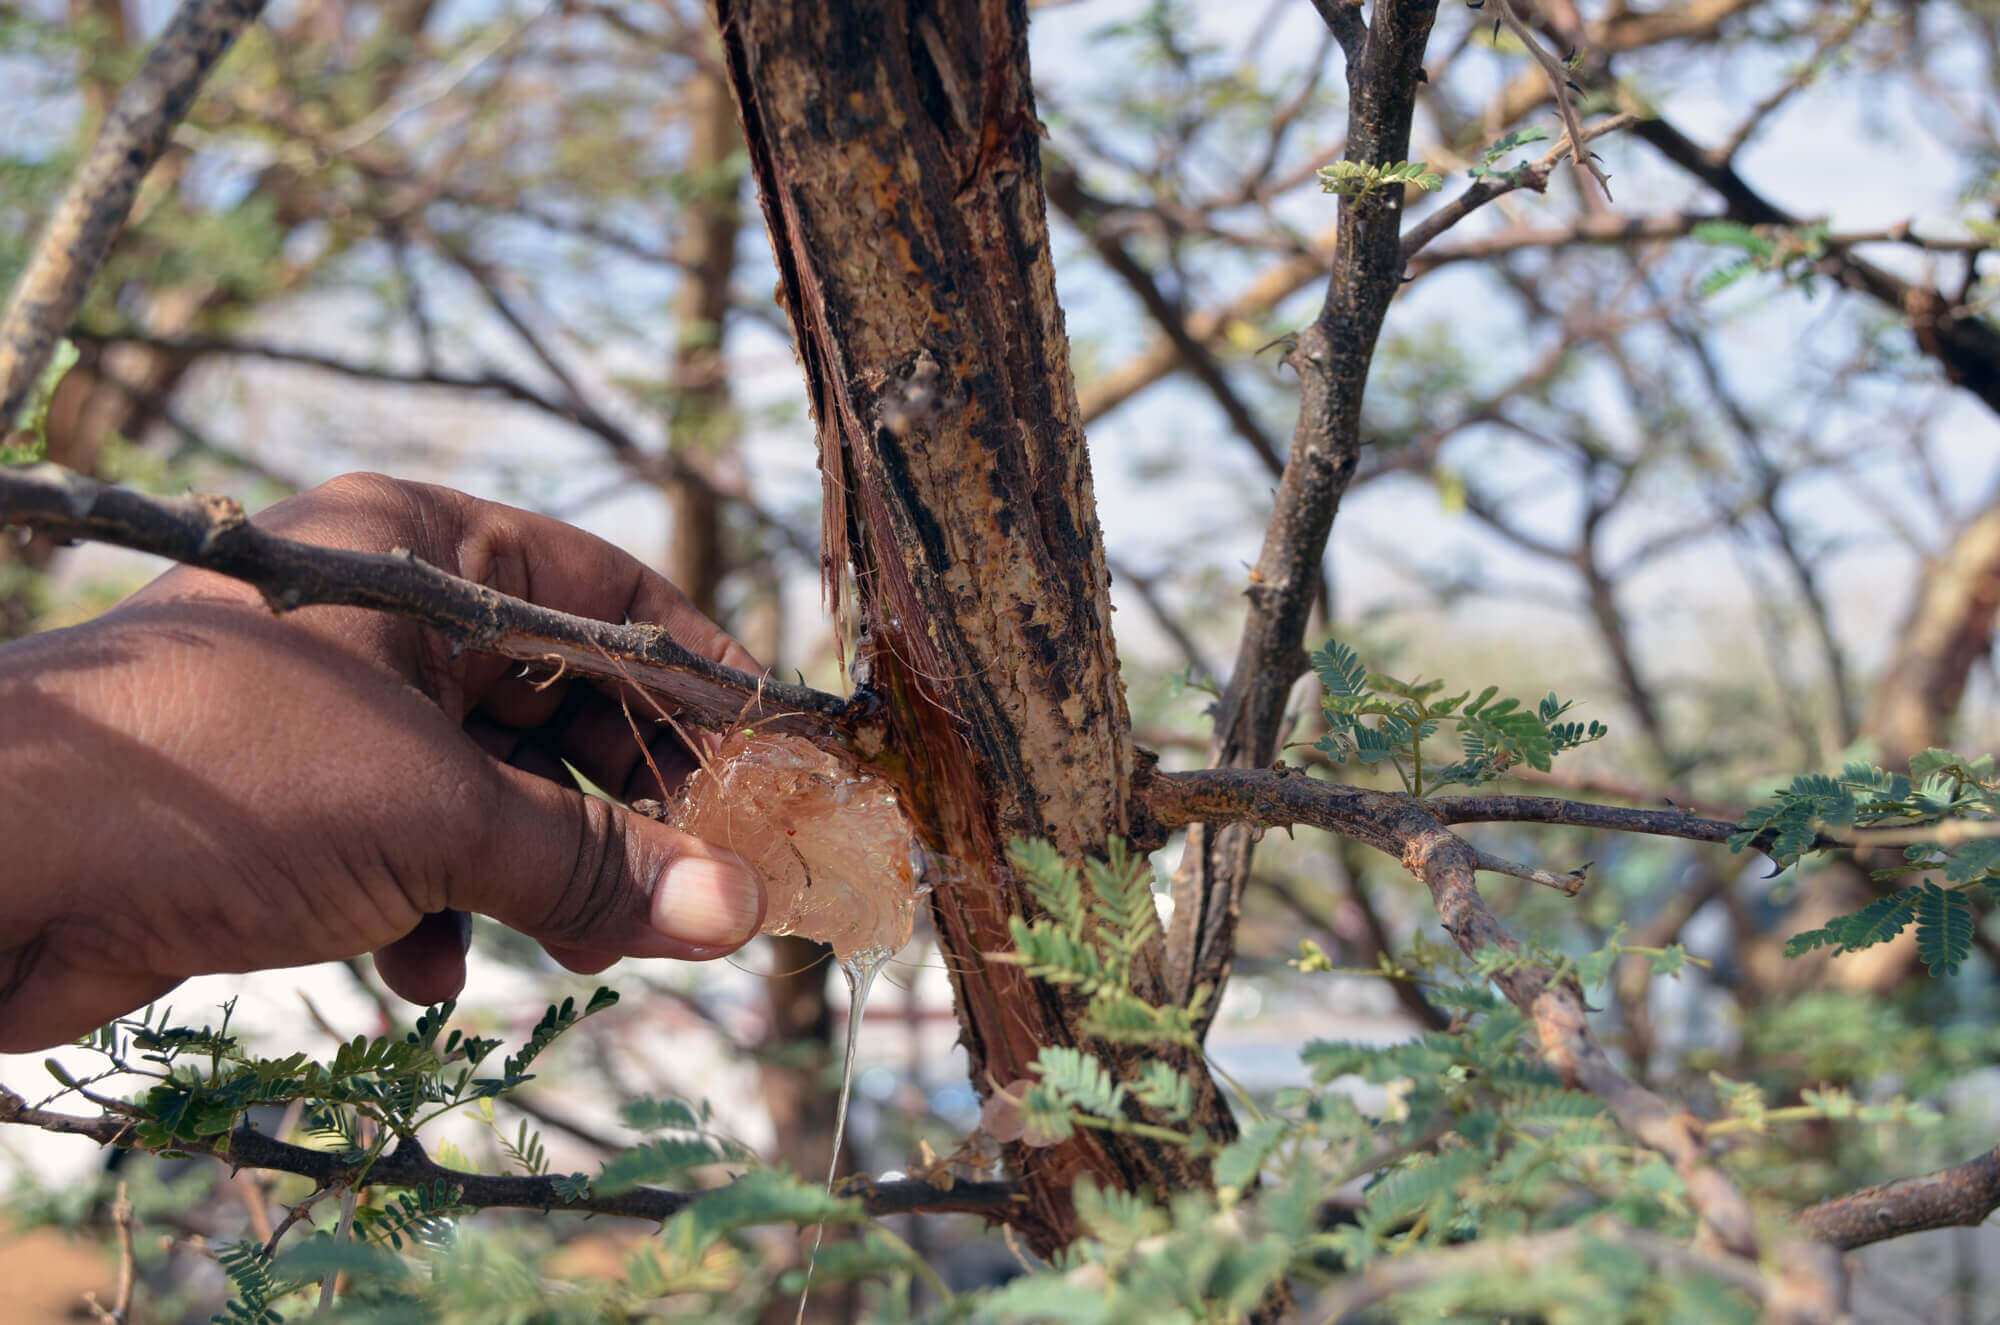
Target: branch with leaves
[
  {"x": 409, "y": 1166},
  {"x": 1331, "y": 355}
]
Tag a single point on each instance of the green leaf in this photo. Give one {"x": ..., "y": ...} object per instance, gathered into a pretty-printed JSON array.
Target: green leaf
[
  {"x": 1424, "y": 1180},
  {"x": 658, "y": 1115},
  {"x": 1509, "y": 142},
  {"x": 555, "y": 1021},
  {"x": 1243, "y": 1159},
  {"x": 1165, "y": 1091},
  {"x": 1944, "y": 928},
  {"x": 1339, "y": 670},
  {"x": 1734, "y": 234},
  {"x": 366, "y": 1263},
  {"x": 660, "y": 1160},
  {"x": 1051, "y": 880},
  {"x": 1877, "y": 922},
  {"x": 1122, "y": 885},
  {"x": 1975, "y": 860},
  {"x": 763, "y": 1196},
  {"x": 1355, "y": 179},
  {"x": 1081, "y": 1081}
]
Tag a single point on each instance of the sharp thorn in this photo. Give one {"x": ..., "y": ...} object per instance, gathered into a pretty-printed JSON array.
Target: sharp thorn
[
  {"x": 1569, "y": 55},
  {"x": 1496, "y": 29},
  {"x": 1571, "y": 82}
]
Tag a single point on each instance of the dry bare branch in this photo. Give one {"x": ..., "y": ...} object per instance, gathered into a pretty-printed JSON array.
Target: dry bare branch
[
  {"x": 214, "y": 534},
  {"x": 80, "y": 231},
  {"x": 1962, "y": 1196}
]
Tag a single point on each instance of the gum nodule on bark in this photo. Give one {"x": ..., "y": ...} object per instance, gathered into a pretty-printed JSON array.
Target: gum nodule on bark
[{"x": 829, "y": 841}]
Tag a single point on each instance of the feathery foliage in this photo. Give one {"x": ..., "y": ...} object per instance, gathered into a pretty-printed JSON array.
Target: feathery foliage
[
  {"x": 1945, "y": 802},
  {"x": 1372, "y": 718},
  {"x": 1358, "y": 179}
]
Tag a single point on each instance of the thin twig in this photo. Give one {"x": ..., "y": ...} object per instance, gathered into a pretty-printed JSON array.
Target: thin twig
[
  {"x": 1331, "y": 356},
  {"x": 1560, "y": 86},
  {"x": 1414, "y": 832},
  {"x": 652, "y": 465},
  {"x": 120, "y": 1309},
  {"x": 1569, "y": 885},
  {"x": 1526, "y": 1255},
  {"x": 1534, "y": 175}
]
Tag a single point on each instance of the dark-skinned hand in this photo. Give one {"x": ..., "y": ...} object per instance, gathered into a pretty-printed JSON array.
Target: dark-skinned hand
[{"x": 189, "y": 784}]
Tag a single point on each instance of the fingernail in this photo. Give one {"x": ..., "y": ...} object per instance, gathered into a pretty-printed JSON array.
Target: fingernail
[{"x": 710, "y": 900}]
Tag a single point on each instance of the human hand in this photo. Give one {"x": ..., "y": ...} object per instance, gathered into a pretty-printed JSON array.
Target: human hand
[{"x": 193, "y": 785}]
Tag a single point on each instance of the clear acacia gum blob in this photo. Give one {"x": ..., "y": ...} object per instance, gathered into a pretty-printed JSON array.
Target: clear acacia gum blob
[{"x": 829, "y": 841}]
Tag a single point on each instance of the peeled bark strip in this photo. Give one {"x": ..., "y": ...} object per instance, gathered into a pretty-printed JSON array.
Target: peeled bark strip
[{"x": 895, "y": 148}]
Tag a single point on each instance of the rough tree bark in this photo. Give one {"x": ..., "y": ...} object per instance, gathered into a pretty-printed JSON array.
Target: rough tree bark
[{"x": 895, "y": 148}]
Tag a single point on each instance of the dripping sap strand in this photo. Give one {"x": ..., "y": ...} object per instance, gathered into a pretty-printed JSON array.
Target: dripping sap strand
[{"x": 860, "y": 971}]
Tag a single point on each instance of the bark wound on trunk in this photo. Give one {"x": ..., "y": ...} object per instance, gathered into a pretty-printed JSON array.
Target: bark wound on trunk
[{"x": 896, "y": 153}]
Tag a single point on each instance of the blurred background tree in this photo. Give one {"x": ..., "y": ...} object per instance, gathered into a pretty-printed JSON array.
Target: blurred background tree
[{"x": 1716, "y": 457}]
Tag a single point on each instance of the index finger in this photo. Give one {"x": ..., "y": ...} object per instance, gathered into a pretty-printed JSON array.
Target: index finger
[
  {"x": 559, "y": 566},
  {"x": 515, "y": 552}
]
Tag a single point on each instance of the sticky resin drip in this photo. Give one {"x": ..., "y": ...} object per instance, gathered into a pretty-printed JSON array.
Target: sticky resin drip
[
  {"x": 838, "y": 861},
  {"x": 860, "y": 971}
]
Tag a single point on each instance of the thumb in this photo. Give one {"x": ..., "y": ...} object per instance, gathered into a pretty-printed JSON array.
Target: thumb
[{"x": 583, "y": 876}]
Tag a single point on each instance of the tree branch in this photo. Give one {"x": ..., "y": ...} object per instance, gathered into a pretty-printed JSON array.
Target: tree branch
[
  {"x": 1534, "y": 175},
  {"x": 1331, "y": 357},
  {"x": 214, "y": 534},
  {"x": 1963, "y": 342},
  {"x": 1962, "y": 1196},
  {"x": 1343, "y": 20},
  {"x": 80, "y": 232},
  {"x": 653, "y": 466},
  {"x": 1414, "y": 832},
  {"x": 1087, "y": 214},
  {"x": 409, "y": 1166},
  {"x": 1528, "y": 1254}
]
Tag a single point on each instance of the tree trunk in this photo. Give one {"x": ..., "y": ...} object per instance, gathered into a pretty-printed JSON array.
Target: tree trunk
[{"x": 895, "y": 148}]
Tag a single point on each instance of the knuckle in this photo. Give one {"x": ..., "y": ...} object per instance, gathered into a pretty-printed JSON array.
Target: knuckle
[{"x": 364, "y": 486}]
